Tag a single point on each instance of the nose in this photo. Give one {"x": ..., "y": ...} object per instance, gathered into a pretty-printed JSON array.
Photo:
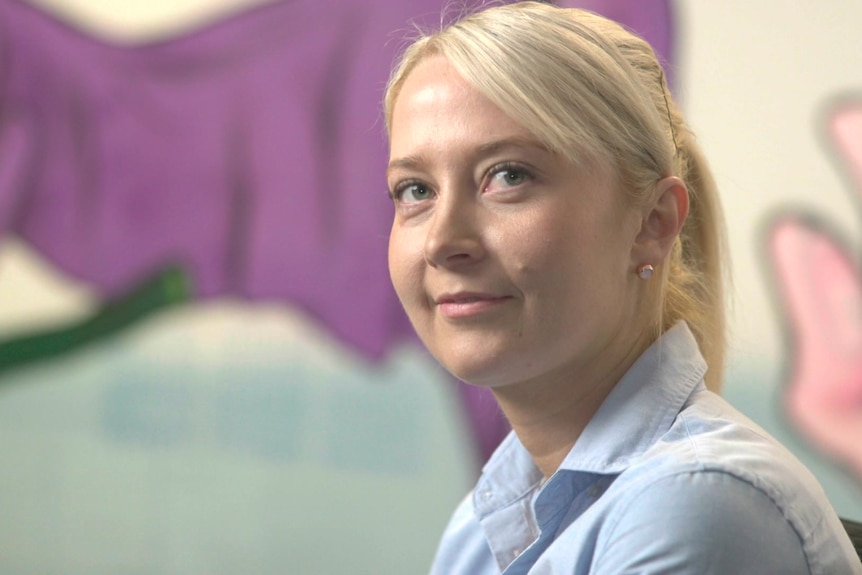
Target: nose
[{"x": 454, "y": 235}]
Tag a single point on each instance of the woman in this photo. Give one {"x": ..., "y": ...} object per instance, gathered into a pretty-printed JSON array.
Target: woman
[{"x": 557, "y": 240}]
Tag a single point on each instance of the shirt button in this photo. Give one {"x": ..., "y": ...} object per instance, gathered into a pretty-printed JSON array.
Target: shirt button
[
  {"x": 515, "y": 554},
  {"x": 487, "y": 495}
]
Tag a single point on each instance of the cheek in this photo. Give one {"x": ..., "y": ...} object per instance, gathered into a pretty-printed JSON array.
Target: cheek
[
  {"x": 567, "y": 261},
  {"x": 404, "y": 265},
  {"x": 527, "y": 242},
  {"x": 396, "y": 260},
  {"x": 548, "y": 245}
]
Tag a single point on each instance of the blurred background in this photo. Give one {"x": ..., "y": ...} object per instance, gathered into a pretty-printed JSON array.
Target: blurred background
[{"x": 203, "y": 368}]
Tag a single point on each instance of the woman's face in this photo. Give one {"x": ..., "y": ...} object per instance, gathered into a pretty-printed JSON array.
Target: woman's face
[{"x": 512, "y": 264}]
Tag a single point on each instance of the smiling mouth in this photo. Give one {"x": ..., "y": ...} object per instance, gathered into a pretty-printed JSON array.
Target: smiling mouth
[{"x": 465, "y": 306}]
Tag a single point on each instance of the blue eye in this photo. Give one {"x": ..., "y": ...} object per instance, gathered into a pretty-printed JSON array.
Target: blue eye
[
  {"x": 513, "y": 177},
  {"x": 412, "y": 193},
  {"x": 507, "y": 176}
]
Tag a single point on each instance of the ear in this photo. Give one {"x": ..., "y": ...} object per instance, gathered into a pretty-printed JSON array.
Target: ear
[{"x": 662, "y": 222}]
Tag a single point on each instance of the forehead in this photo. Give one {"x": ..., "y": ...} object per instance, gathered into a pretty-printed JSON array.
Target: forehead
[
  {"x": 437, "y": 107},
  {"x": 439, "y": 118}
]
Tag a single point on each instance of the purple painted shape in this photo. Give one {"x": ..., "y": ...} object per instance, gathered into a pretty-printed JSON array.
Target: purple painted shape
[{"x": 251, "y": 152}]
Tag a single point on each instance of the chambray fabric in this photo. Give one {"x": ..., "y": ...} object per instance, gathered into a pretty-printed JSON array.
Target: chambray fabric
[{"x": 666, "y": 478}]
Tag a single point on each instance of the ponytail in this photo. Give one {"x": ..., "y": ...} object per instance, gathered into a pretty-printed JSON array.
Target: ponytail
[{"x": 694, "y": 290}]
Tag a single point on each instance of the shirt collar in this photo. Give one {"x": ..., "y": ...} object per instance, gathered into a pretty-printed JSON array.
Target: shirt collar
[
  {"x": 642, "y": 406},
  {"x": 636, "y": 413}
]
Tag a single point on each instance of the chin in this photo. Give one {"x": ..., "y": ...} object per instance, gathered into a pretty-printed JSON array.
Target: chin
[
  {"x": 480, "y": 359},
  {"x": 474, "y": 371}
]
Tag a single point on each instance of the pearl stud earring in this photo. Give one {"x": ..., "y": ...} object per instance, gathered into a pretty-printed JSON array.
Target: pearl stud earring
[{"x": 645, "y": 271}]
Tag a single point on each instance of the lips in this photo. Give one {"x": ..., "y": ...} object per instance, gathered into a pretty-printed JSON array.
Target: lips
[{"x": 468, "y": 304}]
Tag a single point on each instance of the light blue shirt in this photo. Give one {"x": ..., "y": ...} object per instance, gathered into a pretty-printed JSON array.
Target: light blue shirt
[{"x": 666, "y": 478}]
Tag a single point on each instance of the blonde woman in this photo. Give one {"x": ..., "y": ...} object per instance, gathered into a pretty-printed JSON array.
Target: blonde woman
[{"x": 557, "y": 239}]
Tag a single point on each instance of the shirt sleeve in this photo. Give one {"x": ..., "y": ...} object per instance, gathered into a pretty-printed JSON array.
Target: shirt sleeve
[{"x": 704, "y": 523}]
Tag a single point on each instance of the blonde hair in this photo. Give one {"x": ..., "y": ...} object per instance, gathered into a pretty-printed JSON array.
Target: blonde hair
[{"x": 594, "y": 92}]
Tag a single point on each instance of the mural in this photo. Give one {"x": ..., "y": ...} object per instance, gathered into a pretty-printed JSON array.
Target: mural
[
  {"x": 239, "y": 390},
  {"x": 819, "y": 284}
]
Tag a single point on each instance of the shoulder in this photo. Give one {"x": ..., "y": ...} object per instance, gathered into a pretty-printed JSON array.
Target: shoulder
[
  {"x": 715, "y": 492},
  {"x": 718, "y": 439},
  {"x": 703, "y": 522}
]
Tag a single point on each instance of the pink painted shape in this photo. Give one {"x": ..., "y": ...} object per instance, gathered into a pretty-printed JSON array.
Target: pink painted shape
[{"x": 822, "y": 292}]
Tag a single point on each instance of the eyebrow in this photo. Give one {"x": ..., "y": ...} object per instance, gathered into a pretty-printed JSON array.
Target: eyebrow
[
  {"x": 514, "y": 142},
  {"x": 488, "y": 149},
  {"x": 406, "y": 162}
]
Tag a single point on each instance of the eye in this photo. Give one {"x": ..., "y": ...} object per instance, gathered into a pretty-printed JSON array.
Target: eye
[
  {"x": 507, "y": 176},
  {"x": 411, "y": 193}
]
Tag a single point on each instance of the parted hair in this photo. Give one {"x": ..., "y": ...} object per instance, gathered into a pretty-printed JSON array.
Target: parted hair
[{"x": 593, "y": 91}]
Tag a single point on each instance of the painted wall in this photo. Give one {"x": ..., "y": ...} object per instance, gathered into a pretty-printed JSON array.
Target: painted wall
[{"x": 227, "y": 431}]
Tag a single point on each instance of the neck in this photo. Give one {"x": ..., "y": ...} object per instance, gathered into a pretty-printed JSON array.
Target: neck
[{"x": 549, "y": 415}]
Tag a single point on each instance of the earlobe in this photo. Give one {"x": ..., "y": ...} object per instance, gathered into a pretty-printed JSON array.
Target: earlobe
[{"x": 662, "y": 222}]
